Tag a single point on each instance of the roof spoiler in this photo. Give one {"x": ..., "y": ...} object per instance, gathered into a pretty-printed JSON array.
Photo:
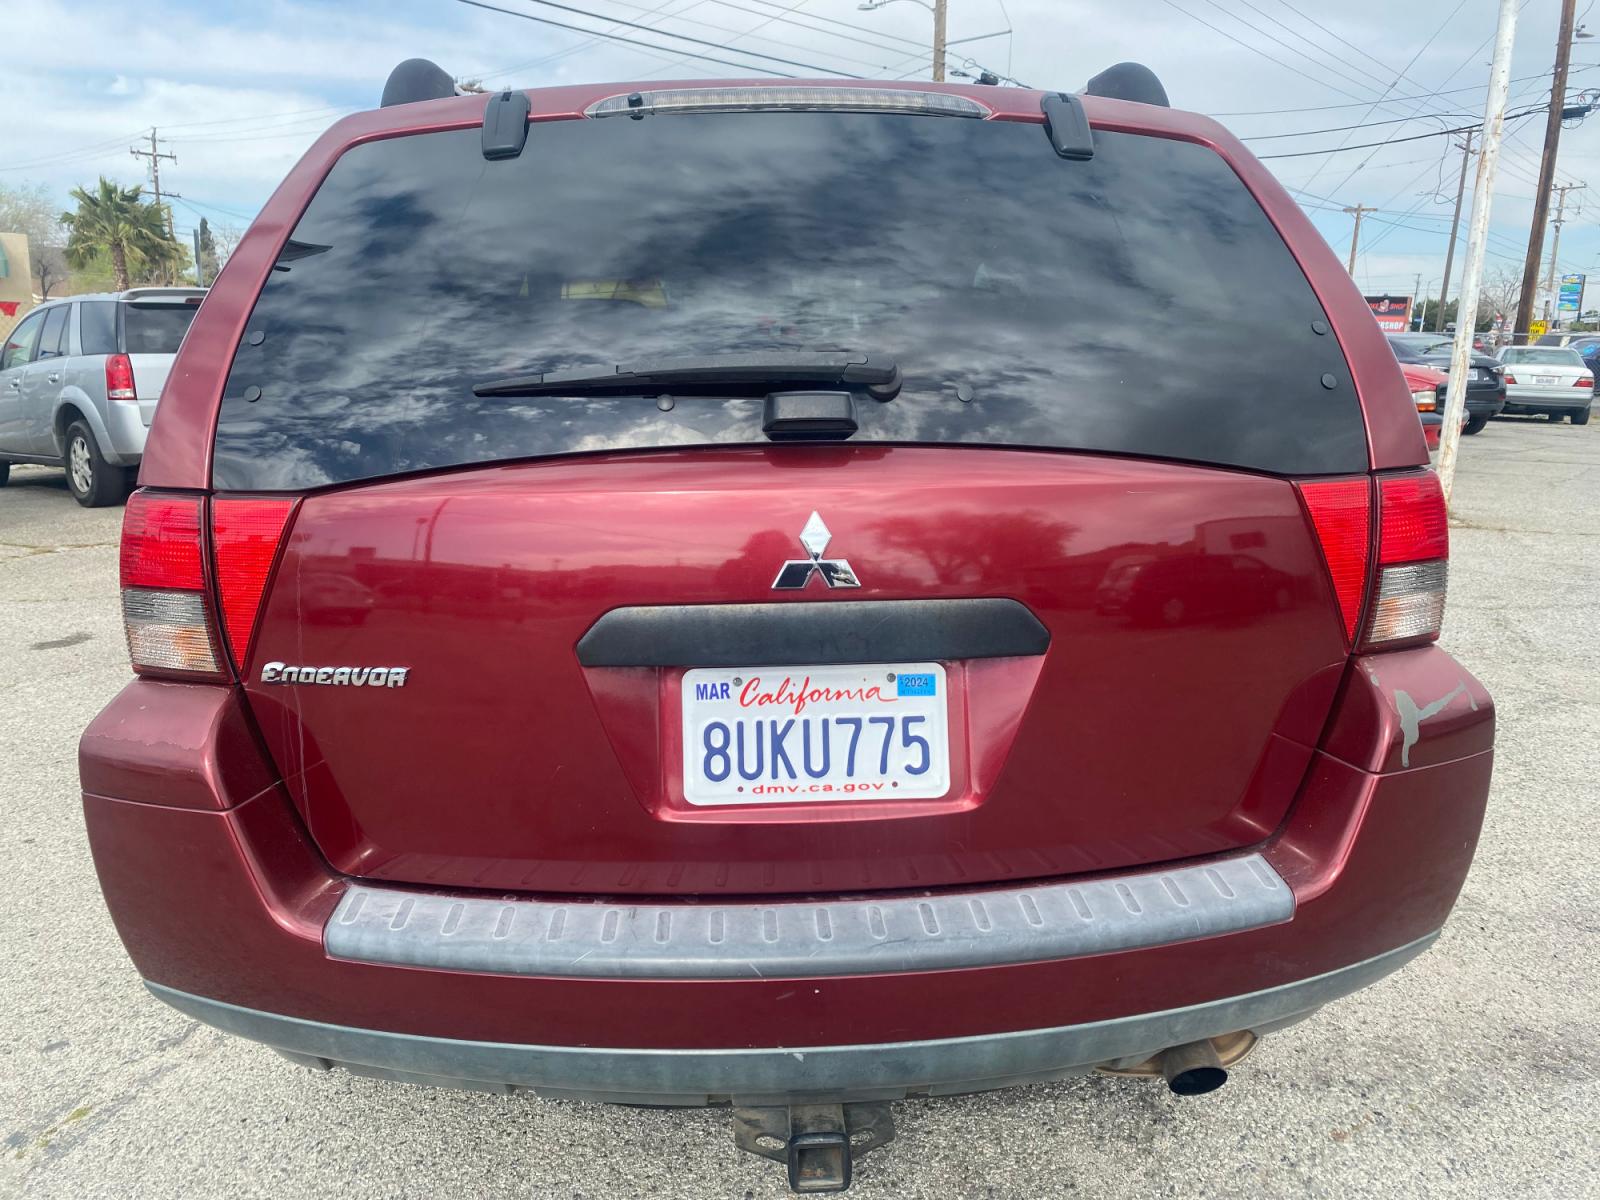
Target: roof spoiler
[{"x": 155, "y": 295}]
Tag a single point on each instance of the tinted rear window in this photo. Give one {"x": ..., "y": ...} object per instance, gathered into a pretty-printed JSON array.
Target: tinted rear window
[
  {"x": 1422, "y": 343},
  {"x": 1550, "y": 357},
  {"x": 966, "y": 250},
  {"x": 155, "y": 328}
]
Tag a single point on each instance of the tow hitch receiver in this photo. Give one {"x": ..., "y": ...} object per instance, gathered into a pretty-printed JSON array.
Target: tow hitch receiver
[{"x": 817, "y": 1142}]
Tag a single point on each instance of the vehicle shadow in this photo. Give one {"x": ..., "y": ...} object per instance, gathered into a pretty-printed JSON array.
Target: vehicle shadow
[{"x": 29, "y": 476}]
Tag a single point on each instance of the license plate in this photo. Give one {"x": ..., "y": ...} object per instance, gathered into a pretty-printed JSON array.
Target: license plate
[
  {"x": 1544, "y": 381},
  {"x": 764, "y": 735}
]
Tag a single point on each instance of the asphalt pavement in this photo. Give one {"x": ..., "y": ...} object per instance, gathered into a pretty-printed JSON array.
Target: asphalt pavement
[{"x": 1474, "y": 1072}]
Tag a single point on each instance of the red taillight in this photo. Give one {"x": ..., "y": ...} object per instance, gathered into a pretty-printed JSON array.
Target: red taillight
[
  {"x": 165, "y": 612},
  {"x": 1413, "y": 550},
  {"x": 1510, "y": 378},
  {"x": 1413, "y": 562},
  {"x": 161, "y": 542},
  {"x": 1583, "y": 381},
  {"x": 119, "y": 378},
  {"x": 1341, "y": 512},
  {"x": 245, "y": 535},
  {"x": 1411, "y": 519}
]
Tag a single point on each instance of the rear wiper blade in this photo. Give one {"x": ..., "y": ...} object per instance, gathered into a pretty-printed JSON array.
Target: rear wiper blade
[{"x": 878, "y": 377}]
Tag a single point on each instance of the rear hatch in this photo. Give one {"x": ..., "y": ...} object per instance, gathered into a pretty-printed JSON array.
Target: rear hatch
[
  {"x": 154, "y": 321},
  {"x": 1054, "y": 607}
]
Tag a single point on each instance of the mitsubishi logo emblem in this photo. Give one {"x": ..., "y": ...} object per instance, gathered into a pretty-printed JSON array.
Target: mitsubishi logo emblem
[{"x": 797, "y": 572}]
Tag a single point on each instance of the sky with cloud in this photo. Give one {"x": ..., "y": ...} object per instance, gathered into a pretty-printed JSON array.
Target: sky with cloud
[{"x": 238, "y": 91}]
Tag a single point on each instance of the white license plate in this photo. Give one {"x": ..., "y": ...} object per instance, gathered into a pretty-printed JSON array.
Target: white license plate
[
  {"x": 764, "y": 735},
  {"x": 1544, "y": 381}
]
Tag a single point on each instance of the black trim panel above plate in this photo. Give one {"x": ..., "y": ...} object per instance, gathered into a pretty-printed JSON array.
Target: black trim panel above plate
[{"x": 812, "y": 633}]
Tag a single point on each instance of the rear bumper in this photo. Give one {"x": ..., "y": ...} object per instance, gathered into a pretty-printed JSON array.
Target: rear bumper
[
  {"x": 125, "y": 433},
  {"x": 1532, "y": 399},
  {"x": 774, "y": 1075},
  {"x": 1485, "y": 402},
  {"x": 929, "y": 931},
  {"x": 227, "y": 911}
]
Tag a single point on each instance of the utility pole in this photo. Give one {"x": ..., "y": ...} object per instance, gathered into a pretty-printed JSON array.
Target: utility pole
[
  {"x": 1555, "y": 243},
  {"x": 1455, "y": 225},
  {"x": 1359, "y": 211},
  {"x": 937, "y": 8},
  {"x": 1494, "y": 130},
  {"x": 155, "y": 155},
  {"x": 1415, "y": 307},
  {"x": 1547, "y": 170}
]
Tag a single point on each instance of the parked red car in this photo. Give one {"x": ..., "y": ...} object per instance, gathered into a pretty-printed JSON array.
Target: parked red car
[
  {"x": 1427, "y": 391},
  {"x": 638, "y": 592}
]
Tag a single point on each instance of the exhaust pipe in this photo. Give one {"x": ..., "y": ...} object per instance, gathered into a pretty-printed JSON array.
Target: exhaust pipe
[{"x": 1193, "y": 1069}]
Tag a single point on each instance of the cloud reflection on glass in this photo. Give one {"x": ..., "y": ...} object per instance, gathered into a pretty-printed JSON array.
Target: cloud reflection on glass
[{"x": 1136, "y": 303}]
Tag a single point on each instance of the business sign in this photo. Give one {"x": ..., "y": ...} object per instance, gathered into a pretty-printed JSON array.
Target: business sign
[
  {"x": 16, "y": 279},
  {"x": 1570, "y": 298},
  {"x": 1393, "y": 313}
]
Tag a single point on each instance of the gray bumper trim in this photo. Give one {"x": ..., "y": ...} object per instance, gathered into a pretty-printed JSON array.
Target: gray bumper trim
[
  {"x": 798, "y": 940},
  {"x": 776, "y": 1075}
]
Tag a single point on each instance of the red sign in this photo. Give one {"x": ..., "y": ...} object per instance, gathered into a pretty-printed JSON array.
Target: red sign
[{"x": 1393, "y": 313}]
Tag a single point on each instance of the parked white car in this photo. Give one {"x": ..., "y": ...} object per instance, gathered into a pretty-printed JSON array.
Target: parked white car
[
  {"x": 1548, "y": 379},
  {"x": 79, "y": 381}
]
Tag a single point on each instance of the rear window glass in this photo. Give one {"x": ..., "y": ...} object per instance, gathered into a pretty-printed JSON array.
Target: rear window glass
[
  {"x": 1546, "y": 357},
  {"x": 1422, "y": 343},
  {"x": 1136, "y": 303},
  {"x": 155, "y": 328}
]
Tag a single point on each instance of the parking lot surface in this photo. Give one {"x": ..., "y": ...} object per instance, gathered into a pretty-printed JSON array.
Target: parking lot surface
[{"x": 1475, "y": 1072}]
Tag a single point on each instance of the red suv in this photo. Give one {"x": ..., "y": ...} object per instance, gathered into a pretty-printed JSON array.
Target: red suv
[{"x": 705, "y": 593}]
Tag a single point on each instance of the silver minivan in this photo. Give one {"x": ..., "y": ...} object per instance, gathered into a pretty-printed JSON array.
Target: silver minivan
[{"x": 79, "y": 381}]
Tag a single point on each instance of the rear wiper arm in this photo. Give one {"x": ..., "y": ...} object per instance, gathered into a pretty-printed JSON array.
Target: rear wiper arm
[{"x": 878, "y": 377}]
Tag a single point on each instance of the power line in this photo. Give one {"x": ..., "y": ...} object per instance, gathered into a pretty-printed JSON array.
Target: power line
[
  {"x": 575, "y": 48},
  {"x": 93, "y": 150},
  {"x": 1360, "y": 83},
  {"x": 1345, "y": 41},
  {"x": 784, "y": 15},
  {"x": 682, "y": 37},
  {"x": 64, "y": 157},
  {"x": 1477, "y": 87},
  {"x": 1257, "y": 50},
  {"x": 1416, "y": 137},
  {"x": 617, "y": 37},
  {"x": 682, "y": 15},
  {"x": 1414, "y": 112},
  {"x": 1267, "y": 137}
]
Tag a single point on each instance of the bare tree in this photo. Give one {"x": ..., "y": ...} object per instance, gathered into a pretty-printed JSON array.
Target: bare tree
[
  {"x": 1501, "y": 288},
  {"x": 227, "y": 240},
  {"x": 49, "y": 267},
  {"x": 29, "y": 209}
]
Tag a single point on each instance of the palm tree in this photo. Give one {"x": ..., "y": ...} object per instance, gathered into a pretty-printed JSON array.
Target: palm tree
[{"x": 116, "y": 221}]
